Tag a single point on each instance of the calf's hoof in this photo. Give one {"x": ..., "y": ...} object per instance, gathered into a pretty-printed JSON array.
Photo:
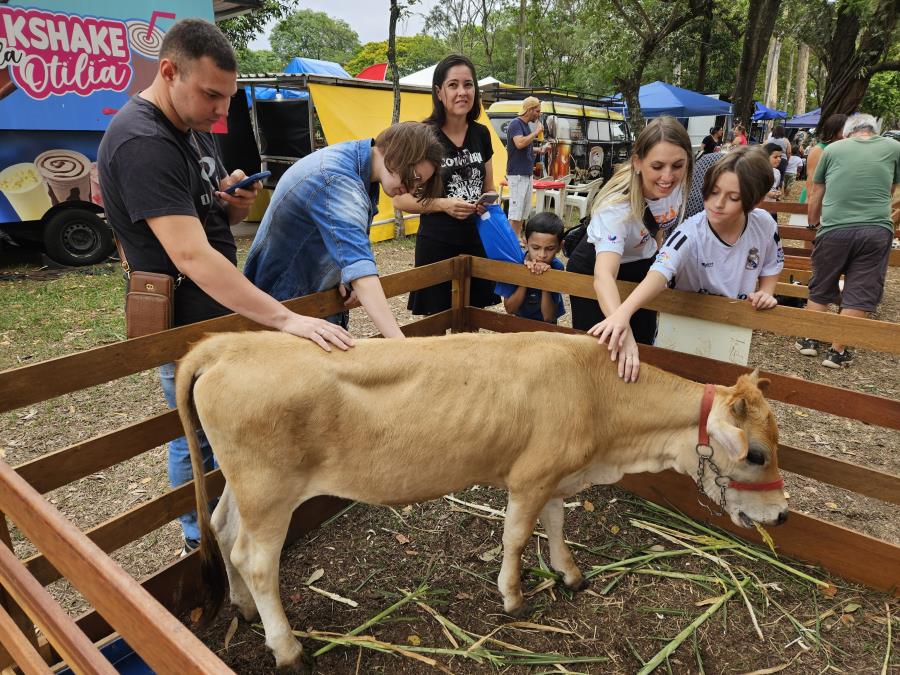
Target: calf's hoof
[
  {"x": 302, "y": 664},
  {"x": 578, "y": 584},
  {"x": 522, "y": 610}
]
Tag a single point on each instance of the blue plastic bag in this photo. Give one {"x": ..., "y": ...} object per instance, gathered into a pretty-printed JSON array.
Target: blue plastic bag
[{"x": 500, "y": 243}]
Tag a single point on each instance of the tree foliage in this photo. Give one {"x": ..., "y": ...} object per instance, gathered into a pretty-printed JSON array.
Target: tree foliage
[
  {"x": 851, "y": 40},
  {"x": 413, "y": 53},
  {"x": 259, "y": 61},
  {"x": 603, "y": 46},
  {"x": 314, "y": 35},
  {"x": 240, "y": 30},
  {"x": 883, "y": 99}
]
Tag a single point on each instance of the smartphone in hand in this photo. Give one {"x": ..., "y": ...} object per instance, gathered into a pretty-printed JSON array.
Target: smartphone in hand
[
  {"x": 487, "y": 198},
  {"x": 247, "y": 182}
]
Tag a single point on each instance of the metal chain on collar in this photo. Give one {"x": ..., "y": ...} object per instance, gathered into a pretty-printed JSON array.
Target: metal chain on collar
[{"x": 721, "y": 481}]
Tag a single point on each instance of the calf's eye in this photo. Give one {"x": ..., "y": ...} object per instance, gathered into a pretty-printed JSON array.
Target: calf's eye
[{"x": 756, "y": 457}]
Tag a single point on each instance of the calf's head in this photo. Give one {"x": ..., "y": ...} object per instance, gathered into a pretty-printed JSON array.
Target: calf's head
[{"x": 743, "y": 442}]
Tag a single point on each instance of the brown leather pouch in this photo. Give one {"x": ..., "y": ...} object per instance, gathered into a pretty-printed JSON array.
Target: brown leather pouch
[{"x": 149, "y": 304}]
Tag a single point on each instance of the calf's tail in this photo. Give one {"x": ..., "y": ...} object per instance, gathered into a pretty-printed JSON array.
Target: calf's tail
[{"x": 212, "y": 567}]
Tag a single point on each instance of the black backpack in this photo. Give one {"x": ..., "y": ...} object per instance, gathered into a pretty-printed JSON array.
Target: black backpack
[{"x": 573, "y": 236}]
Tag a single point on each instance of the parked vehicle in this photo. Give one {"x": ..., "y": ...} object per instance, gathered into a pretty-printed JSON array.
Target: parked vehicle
[
  {"x": 65, "y": 68},
  {"x": 588, "y": 138}
]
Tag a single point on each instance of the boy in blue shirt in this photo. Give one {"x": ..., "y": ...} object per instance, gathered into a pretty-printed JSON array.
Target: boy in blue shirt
[{"x": 543, "y": 240}]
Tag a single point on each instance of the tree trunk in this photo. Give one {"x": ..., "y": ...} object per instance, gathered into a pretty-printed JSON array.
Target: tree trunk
[
  {"x": 399, "y": 227},
  {"x": 703, "y": 57},
  {"x": 788, "y": 81},
  {"x": 770, "y": 59},
  {"x": 392, "y": 59},
  {"x": 629, "y": 87},
  {"x": 850, "y": 67},
  {"x": 760, "y": 24},
  {"x": 487, "y": 36},
  {"x": 771, "y": 98},
  {"x": 520, "y": 47},
  {"x": 802, "y": 79}
]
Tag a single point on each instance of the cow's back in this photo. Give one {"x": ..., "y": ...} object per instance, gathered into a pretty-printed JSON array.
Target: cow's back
[{"x": 462, "y": 406}]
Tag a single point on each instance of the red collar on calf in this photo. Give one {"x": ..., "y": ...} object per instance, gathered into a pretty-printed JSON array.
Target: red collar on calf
[{"x": 709, "y": 394}]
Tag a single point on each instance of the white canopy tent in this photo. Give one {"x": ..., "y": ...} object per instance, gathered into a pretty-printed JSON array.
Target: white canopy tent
[{"x": 423, "y": 78}]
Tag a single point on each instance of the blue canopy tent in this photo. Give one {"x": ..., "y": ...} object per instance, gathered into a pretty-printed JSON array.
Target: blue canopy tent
[
  {"x": 762, "y": 113},
  {"x": 806, "y": 120},
  {"x": 660, "y": 98},
  {"x": 301, "y": 65}
]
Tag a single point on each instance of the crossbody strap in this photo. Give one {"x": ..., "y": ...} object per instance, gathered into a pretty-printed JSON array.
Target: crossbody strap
[{"x": 124, "y": 262}]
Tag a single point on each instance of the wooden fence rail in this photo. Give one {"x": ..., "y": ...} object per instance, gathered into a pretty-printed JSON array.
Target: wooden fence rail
[
  {"x": 878, "y": 335},
  {"x": 804, "y": 233},
  {"x": 131, "y": 610}
]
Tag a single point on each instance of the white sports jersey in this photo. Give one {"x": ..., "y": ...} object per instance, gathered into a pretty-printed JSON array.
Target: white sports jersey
[
  {"x": 693, "y": 258},
  {"x": 614, "y": 228}
]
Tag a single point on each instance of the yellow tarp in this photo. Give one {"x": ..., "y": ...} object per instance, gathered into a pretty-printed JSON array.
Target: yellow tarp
[{"x": 352, "y": 113}]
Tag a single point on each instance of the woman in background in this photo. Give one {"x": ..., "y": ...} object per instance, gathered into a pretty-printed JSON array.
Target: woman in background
[
  {"x": 447, "y": 227},
  {"x": 832, "y": 130}
]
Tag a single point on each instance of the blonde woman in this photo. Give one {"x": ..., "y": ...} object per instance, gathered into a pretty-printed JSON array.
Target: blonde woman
[{"x": 646, "y": 195}]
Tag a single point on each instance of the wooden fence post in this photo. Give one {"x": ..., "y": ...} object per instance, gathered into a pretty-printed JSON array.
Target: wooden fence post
[
  {"x": 459, "y": 294},
  {"x": 24, "y": 623}
]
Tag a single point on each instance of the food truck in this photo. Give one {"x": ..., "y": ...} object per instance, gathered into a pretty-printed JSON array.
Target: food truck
[
  {"x": 587, "y": 137},
  {"x": 65, "y": 69}
]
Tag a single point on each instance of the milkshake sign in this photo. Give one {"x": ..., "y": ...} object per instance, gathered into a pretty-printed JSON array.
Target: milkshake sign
[{"x": 48, "y": 53}]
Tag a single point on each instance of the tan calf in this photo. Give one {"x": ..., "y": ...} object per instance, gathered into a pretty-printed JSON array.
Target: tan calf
[{"x": 395, "y": 422}]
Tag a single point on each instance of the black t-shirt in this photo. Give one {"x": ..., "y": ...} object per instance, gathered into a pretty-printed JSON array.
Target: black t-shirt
[
  {"x": 709, "y": 145},
  {"x": 149, "y": 168},
  {"x": 463, "y": 173}
]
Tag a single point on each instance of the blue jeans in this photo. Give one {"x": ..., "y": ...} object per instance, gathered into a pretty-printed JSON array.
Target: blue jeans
[{"x": 179, "y": 456}]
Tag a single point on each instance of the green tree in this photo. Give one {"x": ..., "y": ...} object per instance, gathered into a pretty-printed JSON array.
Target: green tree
[
  {"x": 240, "y": 30},
  {"x": 853, "y": 40},
  {"x": 413, "y": 53},
  {"x": 882, "y": 99},
  {"x": 628, "y": 34},
  {"x": 261, "y": 61},
  {"x": 313, "y": 35}
]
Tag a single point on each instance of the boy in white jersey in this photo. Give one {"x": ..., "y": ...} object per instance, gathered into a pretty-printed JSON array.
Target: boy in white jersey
[{"x": 727, "y": 249}]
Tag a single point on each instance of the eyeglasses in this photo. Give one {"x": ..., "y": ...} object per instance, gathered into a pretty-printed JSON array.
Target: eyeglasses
[{"x": 414, "y": 184}]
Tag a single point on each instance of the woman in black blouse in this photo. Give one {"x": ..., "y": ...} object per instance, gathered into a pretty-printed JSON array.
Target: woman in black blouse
[{"x": 447, "y": 227}]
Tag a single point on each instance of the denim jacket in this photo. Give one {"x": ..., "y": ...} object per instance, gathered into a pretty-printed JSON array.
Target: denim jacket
[{"x": 315, "y": 233}]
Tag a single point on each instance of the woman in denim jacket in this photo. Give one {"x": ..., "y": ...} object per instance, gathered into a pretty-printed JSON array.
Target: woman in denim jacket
[
  {"x": 448, "y": 227},
  {"x": 315, "y": 233}
]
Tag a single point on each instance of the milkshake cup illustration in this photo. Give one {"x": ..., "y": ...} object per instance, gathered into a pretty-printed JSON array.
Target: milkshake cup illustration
[
  {"x": 68, "y": 173},
  {"x": 96, "y": 195},
  {"x": 26, "y": 190},
  {"x": 7, "y": 86},
  {"x": 145, "y": 44}
]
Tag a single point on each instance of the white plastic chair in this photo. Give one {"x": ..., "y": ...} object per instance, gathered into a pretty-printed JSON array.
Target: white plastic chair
[
  {"x": 581, "y": 196},
  {"x": 558, "y": 197}
]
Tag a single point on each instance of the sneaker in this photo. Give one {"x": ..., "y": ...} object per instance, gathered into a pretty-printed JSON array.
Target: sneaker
[
  {"x": 808, "y": 346},
  {"x": 190, "y": 545},
  {"x": 835, "y": 359}
]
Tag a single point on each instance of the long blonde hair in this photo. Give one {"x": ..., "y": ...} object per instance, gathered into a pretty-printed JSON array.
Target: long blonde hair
[{"x": 625, "y": 183}]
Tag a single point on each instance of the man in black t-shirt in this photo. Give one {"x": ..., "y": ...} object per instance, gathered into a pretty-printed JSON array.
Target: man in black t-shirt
[{"x": 162, "y": 186}]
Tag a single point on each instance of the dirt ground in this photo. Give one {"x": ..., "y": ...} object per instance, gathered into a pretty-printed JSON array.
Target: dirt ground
[{"x": 374, "y": 555}]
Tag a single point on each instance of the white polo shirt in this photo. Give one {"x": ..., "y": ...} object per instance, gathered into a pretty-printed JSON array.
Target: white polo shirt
[
  {"x": 614, "y": 228},
  {"x": 693, "y": 258}
]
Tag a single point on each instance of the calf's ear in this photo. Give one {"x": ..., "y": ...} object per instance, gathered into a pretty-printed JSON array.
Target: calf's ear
[{"x": 732, "y": 438}]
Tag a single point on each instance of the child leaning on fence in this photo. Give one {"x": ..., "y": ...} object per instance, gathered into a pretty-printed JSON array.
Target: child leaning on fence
[
  {"x": 543, "y": 239},
  {"x": 729, "y": 249}
]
